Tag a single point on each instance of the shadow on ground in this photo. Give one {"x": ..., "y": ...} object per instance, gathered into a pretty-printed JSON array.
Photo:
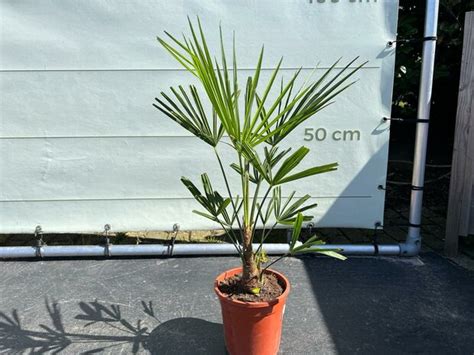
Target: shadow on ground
[
  {"x": 395, "y": 306},
  {"x": 176, "y": 336}
]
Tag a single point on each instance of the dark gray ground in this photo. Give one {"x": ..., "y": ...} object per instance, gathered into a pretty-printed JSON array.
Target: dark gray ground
[{"x": 167, "y": 306}]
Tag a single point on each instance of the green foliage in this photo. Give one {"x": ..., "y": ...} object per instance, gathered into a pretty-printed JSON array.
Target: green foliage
[
  {"x": 309, "y": 246},
  {"x": 448, "y": 60},
  {"x": 212, "y": 201},
  {"x": 193, "y": 118},
  {"x": 253, "y": 121}
]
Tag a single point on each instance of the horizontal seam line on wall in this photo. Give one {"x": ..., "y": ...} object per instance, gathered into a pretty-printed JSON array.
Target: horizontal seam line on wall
[
  {"x": 147, "y": 199},
  {"x": 97, "y": 137},
  {"x": 166, "y": 69},
  {"x": 92, "y": 137}
]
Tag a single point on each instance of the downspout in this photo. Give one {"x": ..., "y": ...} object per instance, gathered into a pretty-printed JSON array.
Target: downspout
[{"x": 412, "y": 245}]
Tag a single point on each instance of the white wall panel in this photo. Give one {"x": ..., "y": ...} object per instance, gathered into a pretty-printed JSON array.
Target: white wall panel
[
  {"x": 111, "y": 103},
  {"x": 120, "y": 34},
  {"x": 85, "y": 168},
  {"x": 81, "y": 144}
]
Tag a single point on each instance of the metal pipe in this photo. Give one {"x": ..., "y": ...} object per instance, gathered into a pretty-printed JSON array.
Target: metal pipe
[
  {"x": 72, "y": 250},
  {"x": 178, "y": 250},
  {"x": 413, "y": 240}
]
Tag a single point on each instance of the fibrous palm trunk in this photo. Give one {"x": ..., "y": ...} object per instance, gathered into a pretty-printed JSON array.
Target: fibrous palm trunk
[{"x": 250, "y": 274}]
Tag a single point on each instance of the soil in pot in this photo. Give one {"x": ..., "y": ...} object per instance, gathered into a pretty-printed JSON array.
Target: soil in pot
[{"x": 270, "y": 290}]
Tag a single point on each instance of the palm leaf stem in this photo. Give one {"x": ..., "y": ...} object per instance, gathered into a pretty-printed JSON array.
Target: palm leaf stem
[
  {"x": 230, "y": 232},
  {"x": 275, "y": 261},
  {"x": 235, "y": 211},
  {"x": 265, "y": 236},
  {"x": 260, "y": 209},
  {"x": 254, "y": 201}
]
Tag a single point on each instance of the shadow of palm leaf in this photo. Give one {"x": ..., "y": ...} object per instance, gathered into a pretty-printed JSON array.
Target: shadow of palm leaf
[
  {"x": 148, "y": 309},
  {"x": 95, "y": 312},
  {"x": 180, "y": 335},
  {"x": 15, "y": 339}
]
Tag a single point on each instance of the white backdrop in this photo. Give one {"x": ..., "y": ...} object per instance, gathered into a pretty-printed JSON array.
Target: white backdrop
[{"x": 81, "y": 144}]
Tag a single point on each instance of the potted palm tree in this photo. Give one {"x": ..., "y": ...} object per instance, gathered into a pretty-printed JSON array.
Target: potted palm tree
[{"x": 253, "y": 120}]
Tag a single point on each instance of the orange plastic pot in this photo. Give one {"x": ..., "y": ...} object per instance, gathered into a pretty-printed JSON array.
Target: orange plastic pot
[{"x": 252, "y": 328}]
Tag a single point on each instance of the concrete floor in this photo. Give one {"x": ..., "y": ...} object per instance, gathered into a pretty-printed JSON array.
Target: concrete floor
[{"x": 384, "y": 306}]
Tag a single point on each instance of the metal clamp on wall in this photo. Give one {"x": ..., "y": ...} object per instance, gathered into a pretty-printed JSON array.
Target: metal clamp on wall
[
  {"x": 310, "y": 227},
  {"x": 39, "y": 241},
  {"x": 407, "y": 120},
  {"x": 173, "y": 239},
  {"x": 408, "y": 40},
  {"x": 107, "y": 252}
]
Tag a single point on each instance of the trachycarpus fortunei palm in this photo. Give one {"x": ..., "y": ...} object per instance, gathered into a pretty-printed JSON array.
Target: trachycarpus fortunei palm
[{"x": 261, "y": 122}]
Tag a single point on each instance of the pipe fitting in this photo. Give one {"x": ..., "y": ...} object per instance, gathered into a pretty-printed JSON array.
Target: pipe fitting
[{"x": 410, "y": 247}]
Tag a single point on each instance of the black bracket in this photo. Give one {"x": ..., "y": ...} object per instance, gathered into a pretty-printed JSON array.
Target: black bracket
[
  {"x": 377, "y": 225},
  {"x": 407, "y": 120},
  {"x": 408, "y": 40},
  {"x": 39, "y": 241},
  {"x": 417, "y": 188}
]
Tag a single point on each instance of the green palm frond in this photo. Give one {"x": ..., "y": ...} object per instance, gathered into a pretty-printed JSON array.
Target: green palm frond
[
  {"x": 292, "y": 207},
  {"x": 211, "y": 200},
  {"x": 260, "y": 123},
  {"x": 193, "y": 53},
  {"x": 256, "y": 119},
  {"x": 190, "y": 114},
  {"x": 310, "y": 246}
]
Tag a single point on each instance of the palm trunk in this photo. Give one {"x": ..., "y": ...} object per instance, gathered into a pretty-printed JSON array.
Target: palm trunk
[{"x": 250, "y": 273}]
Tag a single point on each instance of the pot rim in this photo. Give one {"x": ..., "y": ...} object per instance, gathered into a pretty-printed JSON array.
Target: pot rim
[{"x": 238, "y": 303}]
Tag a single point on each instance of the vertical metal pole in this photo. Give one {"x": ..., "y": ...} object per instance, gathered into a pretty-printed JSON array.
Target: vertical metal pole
[{"x": 413, "y": 241}]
